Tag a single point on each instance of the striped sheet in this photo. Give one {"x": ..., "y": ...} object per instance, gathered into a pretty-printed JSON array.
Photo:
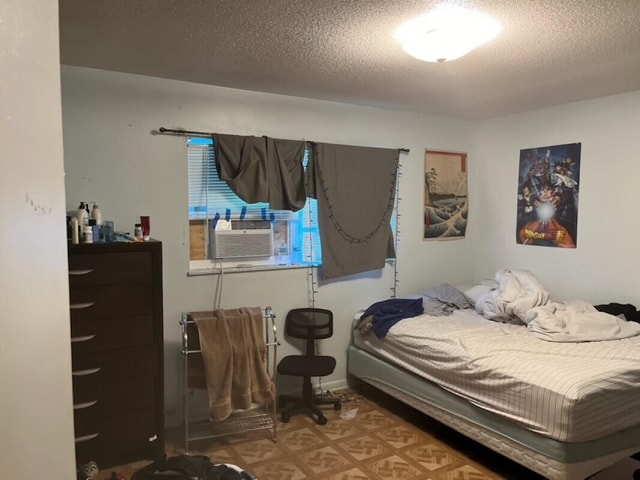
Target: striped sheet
[{"x": 571, "y": 392}]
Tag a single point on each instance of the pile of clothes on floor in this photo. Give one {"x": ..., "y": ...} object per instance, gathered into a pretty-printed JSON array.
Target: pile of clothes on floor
[{"x": 181, "y": 467}]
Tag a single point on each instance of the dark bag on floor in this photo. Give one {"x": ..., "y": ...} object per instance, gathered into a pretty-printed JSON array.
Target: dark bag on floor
[{"x": 186, "y": 467}]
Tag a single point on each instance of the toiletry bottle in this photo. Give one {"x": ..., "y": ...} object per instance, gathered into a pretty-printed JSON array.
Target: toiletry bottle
[
  {"x": 282, "y": 253},
  {"x": 137, "y": 232},
  {"x": 96, "y": 214},
  {"x": 75, "y": 230},
  {"x": 95, "y": 230},
  {"x": 83, "y": 215},
  {"x": 87, "y": 234}
]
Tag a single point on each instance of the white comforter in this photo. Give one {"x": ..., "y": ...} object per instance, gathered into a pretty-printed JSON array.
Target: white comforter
[
  {"x": 577, "y": 322},
  {"x": 516, "y": 293},
  {"x": 520, "y": 296}
]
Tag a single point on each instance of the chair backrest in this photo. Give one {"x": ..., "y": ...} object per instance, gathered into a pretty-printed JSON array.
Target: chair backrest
[{"x": 309, "y": 324}]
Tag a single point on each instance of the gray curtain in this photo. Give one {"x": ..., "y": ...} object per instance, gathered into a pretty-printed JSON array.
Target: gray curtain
[
  {"x": 263, "y": 169},
  {"x": 355, "y": 188}
]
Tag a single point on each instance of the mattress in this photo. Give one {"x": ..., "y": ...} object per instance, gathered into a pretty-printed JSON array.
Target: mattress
[
  {"x": 553, "y": 459},
  {"x": 570, "y": 392}
]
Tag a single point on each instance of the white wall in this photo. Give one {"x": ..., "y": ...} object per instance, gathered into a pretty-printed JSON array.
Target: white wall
[
  {"x": 603, "y": 267},
  {"x": 113, "y": 157},
  {"x": 35, "y": 368}
]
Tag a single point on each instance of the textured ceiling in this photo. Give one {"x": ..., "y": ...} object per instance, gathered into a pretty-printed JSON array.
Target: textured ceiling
[{"x": 550, "y": 51}]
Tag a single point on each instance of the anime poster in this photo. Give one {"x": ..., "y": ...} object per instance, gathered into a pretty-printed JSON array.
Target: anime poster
[
  {"x": 445, "y": 195},
  {"x": 548, "y": 184}
]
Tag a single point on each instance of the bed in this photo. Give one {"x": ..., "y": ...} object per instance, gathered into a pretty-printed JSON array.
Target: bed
[{"x": 564, "y": 409}]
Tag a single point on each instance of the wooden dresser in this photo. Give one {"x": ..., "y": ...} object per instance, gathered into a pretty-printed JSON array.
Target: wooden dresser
[{"x": 115, "y": 294}]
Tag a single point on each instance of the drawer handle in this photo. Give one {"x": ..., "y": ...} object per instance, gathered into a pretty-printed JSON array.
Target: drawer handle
[
  {"x": 84, "y": 338},
  {"x": 84, "y": 373},
  {"x": 82, "y": 406},
  {"x": 81, "y": 272},
  {"x": 153, "y": 439},
  {"x": 80, "y": 306},
  {"x": 86, "y": 438}
]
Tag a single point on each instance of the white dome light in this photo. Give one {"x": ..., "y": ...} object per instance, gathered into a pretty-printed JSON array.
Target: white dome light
[{"x": 446, "y": 33}]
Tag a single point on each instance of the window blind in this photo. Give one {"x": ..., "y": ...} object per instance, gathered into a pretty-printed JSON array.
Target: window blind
[{"x": 210, "y": 197}]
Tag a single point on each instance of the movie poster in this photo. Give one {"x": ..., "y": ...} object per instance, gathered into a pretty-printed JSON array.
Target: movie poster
[{"x": 548, "y": 186}]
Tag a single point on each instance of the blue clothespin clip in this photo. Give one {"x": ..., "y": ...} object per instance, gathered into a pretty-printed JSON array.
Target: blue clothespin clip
[
  {"x": 227, "y": 215},
  {"x": 215, "y": 220},
  {"x": 264, "y": 213},
  {"x": 272, "y": 217},
  {"x": 243, "y": 212}
]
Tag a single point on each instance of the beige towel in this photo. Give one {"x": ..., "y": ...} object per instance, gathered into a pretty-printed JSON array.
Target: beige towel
[{"x": 233, "y": 352}]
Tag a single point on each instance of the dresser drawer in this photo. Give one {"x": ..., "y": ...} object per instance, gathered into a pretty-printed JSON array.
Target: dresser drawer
[
  {"x": 92, "y": 334},
  {"x": 93, "y": 405},
  {"x": 107, "y": 268},
  {"x": 113, "y": 398},
  {"x": 87, "y": 421},
  {"x": 117, "y": 438},
  {"x": 115, "y": 365},
  {"x": 111, "y": 300}
]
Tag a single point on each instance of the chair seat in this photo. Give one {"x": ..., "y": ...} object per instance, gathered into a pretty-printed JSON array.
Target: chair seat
[{"x": 304, "y": 365}]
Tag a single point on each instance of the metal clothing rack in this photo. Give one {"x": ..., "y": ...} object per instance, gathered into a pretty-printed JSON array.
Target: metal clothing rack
[{"x": 260, "y": 417}]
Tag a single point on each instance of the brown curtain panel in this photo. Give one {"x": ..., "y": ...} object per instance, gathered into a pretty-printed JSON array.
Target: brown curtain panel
[
  {"x": 263, "y": 169},
  {"x": 355, "y": 188}
]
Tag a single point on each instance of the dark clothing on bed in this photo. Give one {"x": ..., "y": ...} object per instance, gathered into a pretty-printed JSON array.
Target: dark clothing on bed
[
  {"x": 629, "y": 311},
  {"x": 389, "y": 312}
]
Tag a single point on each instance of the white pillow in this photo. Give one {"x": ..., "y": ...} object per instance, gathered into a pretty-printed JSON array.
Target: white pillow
[{"x": 476, "y": 292}]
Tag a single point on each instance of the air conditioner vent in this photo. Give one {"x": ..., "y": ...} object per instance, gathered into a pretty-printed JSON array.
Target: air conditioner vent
[
  {"x": 245, "y": 239},
  {"x": 250, "y": 225}
]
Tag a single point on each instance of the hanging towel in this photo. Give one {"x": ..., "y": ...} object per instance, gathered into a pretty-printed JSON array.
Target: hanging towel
[{"x": 233, "y": 352}]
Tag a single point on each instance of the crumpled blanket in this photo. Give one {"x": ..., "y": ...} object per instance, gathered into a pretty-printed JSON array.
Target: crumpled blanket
[
  {"x": 520, "y": 297},
  {"x": 577, "y": 321},
  {"x": 442, "y": 299},
  {"x": 518, "y": 291}
]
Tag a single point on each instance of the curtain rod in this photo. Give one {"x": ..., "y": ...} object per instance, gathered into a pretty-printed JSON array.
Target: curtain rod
[{"x": 208, "y": 134}]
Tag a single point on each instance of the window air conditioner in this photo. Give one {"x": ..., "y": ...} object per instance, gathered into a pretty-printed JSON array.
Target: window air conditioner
[{"x": 251, "y": 238}]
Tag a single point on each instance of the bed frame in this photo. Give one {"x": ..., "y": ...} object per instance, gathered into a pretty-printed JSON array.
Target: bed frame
[{"x": 553, "y": 459}]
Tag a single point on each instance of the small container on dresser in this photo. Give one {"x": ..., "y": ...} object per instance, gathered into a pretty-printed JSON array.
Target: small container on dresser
[{"x": 115, "y": 294}]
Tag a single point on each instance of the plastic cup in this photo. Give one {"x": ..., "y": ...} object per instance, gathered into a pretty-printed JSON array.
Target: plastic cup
[{"x": 108, "y": 231}]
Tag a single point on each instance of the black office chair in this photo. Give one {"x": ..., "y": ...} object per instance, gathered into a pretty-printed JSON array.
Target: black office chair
[{"x": 310, "y": 324}]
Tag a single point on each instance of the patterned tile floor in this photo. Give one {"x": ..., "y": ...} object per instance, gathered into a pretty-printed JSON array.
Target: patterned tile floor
[{"x": 385, "y": 441}]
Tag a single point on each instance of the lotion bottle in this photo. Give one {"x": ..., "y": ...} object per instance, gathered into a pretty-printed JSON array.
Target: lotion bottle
[
  {"x": 75, "y": 230},
  {"x": 96, "y": 214},
  {"x": 83, "y": 215}
]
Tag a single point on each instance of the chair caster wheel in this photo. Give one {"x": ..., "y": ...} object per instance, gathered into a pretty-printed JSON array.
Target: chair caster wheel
[
  {"x": 337, "y": 406},
  {"x": 285, "y": 417},
  {"x": 322, "y": 420}
]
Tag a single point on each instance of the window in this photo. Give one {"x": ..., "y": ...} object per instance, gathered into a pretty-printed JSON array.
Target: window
[{"x": 226, "y": 232}]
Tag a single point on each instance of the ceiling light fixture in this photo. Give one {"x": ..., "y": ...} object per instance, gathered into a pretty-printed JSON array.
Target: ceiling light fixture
[{"x": 446, "y": 33}]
